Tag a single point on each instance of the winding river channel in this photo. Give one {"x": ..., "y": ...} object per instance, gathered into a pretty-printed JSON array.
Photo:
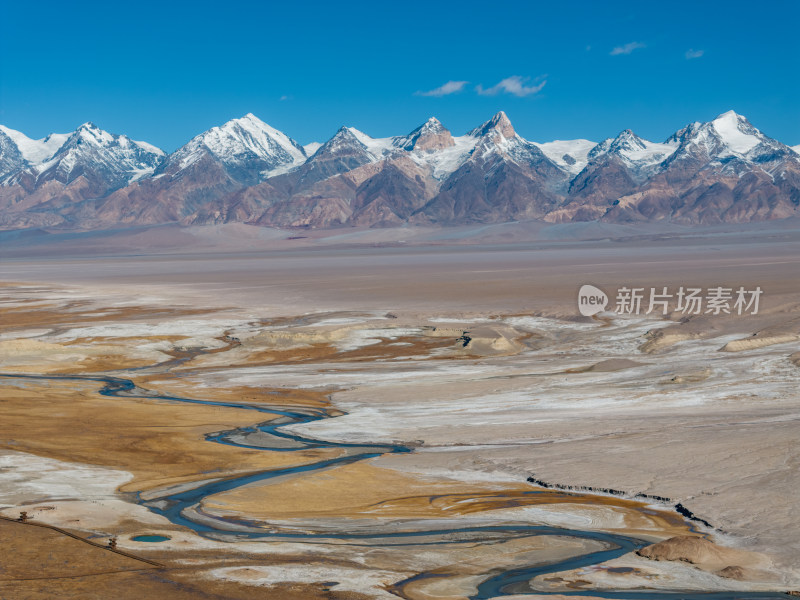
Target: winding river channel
[{"x": 182, "y": 506}]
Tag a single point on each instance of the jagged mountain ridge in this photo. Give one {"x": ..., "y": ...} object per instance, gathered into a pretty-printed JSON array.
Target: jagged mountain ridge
[
  {"x": 113, "y": 160},
  {"x": 724, "y": 170}
]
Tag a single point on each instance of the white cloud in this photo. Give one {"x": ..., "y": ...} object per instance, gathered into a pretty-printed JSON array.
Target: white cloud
[
  {"x": 451, "y": 87},
  {"x": 690, "y": 54},
  {"x": 512, "y": 85},
  {"x": 627, "y": 48}
]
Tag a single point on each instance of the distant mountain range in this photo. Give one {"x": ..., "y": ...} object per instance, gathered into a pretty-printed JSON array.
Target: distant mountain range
[{"x": 725, "y": 170}]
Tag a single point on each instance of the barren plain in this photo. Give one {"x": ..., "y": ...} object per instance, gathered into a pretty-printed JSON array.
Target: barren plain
[{"x": 408, "y": 412}]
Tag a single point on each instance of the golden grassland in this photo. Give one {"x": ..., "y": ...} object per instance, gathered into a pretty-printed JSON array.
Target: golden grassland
[
  {"x": 161, "y": 443},
  {"x": 365, "y": 490}
]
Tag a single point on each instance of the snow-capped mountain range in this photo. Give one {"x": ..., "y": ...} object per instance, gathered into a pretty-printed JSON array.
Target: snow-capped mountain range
[
  {"x": 724, "y": 170},
  {"x": 88, "y": 151}
]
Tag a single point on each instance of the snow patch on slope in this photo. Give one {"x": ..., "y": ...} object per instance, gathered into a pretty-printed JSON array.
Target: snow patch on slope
[
  {"x": 651, "y": 152},
  {"x": 311, "y": 148},
  {"x": 377, "y": 147},
  {"x": 149, "y": 147},
  {"x": 447, "y": 160},
  {"x": 570, "y": 155},
  {"x": 642, "y": 157},
  {"x": 36, "y": 151}
]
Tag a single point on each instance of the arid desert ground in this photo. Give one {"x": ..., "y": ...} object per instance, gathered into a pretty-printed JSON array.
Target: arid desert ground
[{"x": 410, "y": 413}]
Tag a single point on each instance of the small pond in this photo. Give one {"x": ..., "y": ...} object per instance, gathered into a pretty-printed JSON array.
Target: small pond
[{"x": 150, "y": 538}]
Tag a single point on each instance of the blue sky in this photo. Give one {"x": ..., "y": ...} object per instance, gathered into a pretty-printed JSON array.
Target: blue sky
[{"x": 165, "y": 71}]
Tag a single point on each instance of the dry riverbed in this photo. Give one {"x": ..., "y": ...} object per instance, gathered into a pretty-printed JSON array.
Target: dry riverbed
[{"x": 700, "y": 412}]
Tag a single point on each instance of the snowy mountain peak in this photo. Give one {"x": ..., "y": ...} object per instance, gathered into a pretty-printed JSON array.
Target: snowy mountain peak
[
  {"x": 498, "y": 124},
  {"x": 736, "y": 132},
  {"x": 343, "y": 140},
  {"x": 627, "y": 142},
  {"x": 432, "y": 125},
  {"x": 347, "y": 150},
  {"x": 497, "y": 145},
  {"x": 635, "y": 149},
  {"x": 729, "y": 140},
  {"x": 250, "y": 149},
  {"x": 730, "y": 115},
  {"x": 248, "y": 123},
  {"x": 642, "y": 157},
  {"x": 627, "y": 134},
  {"x": 112, "y": 160},
  {"x": 683, "y": 134},
  {"x": 431, "y": 135},
  {"x": 347, "y": 141},
  {"x": 92, "y": 134},
  {"x": 251, "y": 135}
]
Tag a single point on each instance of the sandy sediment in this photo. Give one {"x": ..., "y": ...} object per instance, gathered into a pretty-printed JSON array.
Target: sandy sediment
[
  {"x": 753, "y": 343},
  {"x": 708, "y": 556},
  {"x": 664, "y": 339}
]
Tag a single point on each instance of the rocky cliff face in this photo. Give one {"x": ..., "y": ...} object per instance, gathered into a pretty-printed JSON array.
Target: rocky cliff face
[
  {"x": 429, "y": 136},
  {"x": 725, "y": 170}
]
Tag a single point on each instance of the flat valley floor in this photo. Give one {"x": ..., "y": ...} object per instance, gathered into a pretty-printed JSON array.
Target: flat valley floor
[{"x": 408, "y": 413}]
